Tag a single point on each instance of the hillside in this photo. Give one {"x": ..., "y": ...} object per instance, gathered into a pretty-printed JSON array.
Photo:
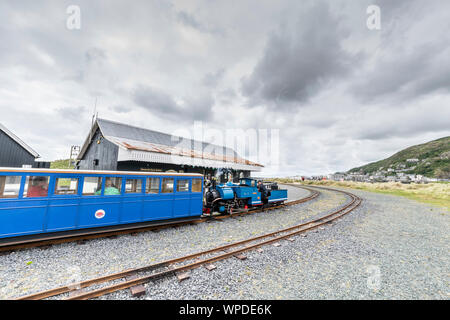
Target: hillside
[
  {"x": 431, "y": 159},
  {"x": 60, "y": 164}
]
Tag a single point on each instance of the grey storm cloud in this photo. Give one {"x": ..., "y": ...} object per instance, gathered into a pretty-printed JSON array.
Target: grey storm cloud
[
  {"x": 157, "y": 101},
  {"x": 93, "y": 58},
  {"x": 122, "y": 109},
  {"x": 404, "y": 123},
  {"x": 299, "y": 60},
  {"x": 211, "y": 79},
  {"x": 95, "y": 55},
  {"x": 190, "y": 20},
  {"x": 72, "y": 113},
  {"x": 417, "y": 71},
  {"x": 412, "y": 58}
]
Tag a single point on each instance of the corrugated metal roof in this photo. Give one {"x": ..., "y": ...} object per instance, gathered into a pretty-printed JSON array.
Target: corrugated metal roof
[
  {"x": 120, "y": 130},
  {"x": 177, "y": 150},
  {"x": 19, "y": 141}
]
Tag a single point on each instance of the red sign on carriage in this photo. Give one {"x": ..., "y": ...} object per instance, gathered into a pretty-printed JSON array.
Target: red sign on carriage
[{"x": 99, "y": 214}]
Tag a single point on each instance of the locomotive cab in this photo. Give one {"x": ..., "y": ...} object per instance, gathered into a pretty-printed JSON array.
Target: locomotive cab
[{"x": 247, "y": 182}]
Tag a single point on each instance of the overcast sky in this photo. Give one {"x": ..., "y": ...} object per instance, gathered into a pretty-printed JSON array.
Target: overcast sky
[{"x": 340, "y": 94}]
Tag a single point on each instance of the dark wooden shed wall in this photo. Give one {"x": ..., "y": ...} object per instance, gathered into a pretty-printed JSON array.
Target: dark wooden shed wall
[
  {"x": 106, "y": 152},
  {"x": 13, "y": 154}
]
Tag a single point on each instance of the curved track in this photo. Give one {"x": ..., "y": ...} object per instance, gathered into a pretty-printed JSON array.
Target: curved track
[{"x": 172, "y": 267}]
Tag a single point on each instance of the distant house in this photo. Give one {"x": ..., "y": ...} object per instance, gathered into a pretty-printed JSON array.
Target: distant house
[
  {"x": 337, "y": 176},
  {"x": 412, "y": 160},
  {"x": 358, "y": 177},
  {"x": 14, "y": 152}
]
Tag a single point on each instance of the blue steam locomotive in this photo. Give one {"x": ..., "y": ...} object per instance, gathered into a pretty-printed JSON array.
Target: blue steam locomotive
[{"x": 228, "y": 198}]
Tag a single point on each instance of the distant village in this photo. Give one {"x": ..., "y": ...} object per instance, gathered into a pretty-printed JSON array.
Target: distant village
[{"x": 394, "y": 173}]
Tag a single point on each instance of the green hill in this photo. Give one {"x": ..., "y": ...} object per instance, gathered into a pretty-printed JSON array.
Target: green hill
[
  {"x": 433, "y": 161},
  {"x": 61, "y": 164}
]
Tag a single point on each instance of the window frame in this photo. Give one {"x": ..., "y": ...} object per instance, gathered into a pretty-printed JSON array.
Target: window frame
[
  {"x": 125, "y": 192},
  {"x": 55, "y": 184},
  {"x": 200, "y": 182},
  {"x": 173, "y": 185},
  {"x": 25, "y": 189},
  {"x": 19, "y": 191},
  {"x": 121, "y": 190},
  {"x": 188, "y": 185},
  {"x": 102, "y": 183},
  {"x": 147, "y": 184}
]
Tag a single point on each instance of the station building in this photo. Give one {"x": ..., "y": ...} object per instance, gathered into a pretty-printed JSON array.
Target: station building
[{"x": 116, "y": 146}]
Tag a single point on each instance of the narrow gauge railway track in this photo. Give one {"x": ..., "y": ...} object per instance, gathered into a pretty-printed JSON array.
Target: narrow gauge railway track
[
  {"x": 132, "y": 278},
  {"x": 48, "y": 240}
]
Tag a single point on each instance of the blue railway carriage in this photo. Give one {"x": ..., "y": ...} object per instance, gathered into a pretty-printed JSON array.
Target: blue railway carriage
[{"x": 42, "y": 201}]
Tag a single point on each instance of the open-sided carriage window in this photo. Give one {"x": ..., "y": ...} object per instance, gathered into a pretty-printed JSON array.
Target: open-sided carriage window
[
  {"x": 66, "y": 186},
  {"x": 133, "y": 186},
  {"x": 182, "y": 185},
  {"x": 113, "y": 186},
  {"x": 36, "y": 187},
  {"x": 152, "y": 185},
  {"x": 167, "y": 185},
  {"x": 10, "y": 186},
  {"x": 92, "y": 186},
  {"x": 196, "y": 185}
]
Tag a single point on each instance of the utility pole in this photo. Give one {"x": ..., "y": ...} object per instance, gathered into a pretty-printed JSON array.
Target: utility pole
[
  {"x": 74, "y": 152},
  {"x": 94, "y": 117}
]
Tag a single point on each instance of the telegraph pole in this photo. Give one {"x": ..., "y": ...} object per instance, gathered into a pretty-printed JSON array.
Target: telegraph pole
[{"x": 74, "y": 152}]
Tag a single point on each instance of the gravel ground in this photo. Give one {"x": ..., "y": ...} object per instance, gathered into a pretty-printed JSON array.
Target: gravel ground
[
  {"x": 296, "y": 193},
  {"x": 388, "y": 248}
]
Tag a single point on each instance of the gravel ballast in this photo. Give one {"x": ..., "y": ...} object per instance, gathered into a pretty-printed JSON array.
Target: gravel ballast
[{"x": 388, "y": 248}]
